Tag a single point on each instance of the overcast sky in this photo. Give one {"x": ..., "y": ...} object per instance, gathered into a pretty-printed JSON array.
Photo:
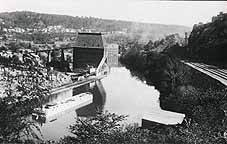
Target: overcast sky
[{"x": 165, "y": 12}]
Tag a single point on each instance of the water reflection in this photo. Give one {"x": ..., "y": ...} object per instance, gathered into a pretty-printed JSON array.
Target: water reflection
[
  {"x": 99, "y": 99},
  {"x": 128, "y": 95},
  {"x": 119, "y": 93},
  {"x": 58, "y": 128}
]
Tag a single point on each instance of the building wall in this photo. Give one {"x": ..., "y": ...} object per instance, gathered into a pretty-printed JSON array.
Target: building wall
[
  {"x": 83, "y": 57},
  {"x": 89, "y": 50},
  {"x": 112, "y": 54}
]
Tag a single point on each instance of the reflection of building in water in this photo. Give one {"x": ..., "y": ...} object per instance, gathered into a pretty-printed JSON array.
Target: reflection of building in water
[
  {"x": 112, "y": 51},
  {"x": 99, "y": 99}
]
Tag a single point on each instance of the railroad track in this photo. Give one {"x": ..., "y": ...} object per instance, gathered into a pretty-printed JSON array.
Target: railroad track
[
  {"x": 216, "y": 71},
  {"x": 224, "y": 71},
  {"x": 212, "y": 71}
]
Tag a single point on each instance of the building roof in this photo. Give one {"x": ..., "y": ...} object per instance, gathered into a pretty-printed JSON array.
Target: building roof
[
  {"x": 90, "y": 40},
  {"x": 88, "y": 33}
]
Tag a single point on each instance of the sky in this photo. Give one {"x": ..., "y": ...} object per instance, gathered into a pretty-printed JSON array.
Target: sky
[{"x": 163, "y": 12}]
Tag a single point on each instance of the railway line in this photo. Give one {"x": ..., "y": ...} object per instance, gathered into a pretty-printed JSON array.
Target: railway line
[{"x": 212, "y": 71}]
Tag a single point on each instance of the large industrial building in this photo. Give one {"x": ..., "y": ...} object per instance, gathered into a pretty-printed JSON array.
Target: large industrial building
[{"x": 89, "y": 50}]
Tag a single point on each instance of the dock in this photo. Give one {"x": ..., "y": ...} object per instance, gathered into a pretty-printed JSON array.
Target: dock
[{"x": 76, "y": 84}]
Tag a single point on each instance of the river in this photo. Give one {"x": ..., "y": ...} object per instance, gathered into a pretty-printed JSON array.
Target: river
[{"x": 119, "y": 93}]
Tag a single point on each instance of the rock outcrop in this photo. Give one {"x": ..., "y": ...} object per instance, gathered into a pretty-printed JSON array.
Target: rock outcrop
[{"x": 208, "y": 41}]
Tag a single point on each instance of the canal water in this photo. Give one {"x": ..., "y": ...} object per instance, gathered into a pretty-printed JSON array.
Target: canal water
[{"x": 119, "y": 93}]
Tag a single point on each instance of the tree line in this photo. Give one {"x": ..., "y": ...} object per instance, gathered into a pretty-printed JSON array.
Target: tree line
[{"x": 183, "y": 90}]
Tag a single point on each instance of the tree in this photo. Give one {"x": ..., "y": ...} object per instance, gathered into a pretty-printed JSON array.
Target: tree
[
  {"x": 94, "y": 130},
  {"x": 24, "y": 90},
  {"x": 111, "y": 128}
]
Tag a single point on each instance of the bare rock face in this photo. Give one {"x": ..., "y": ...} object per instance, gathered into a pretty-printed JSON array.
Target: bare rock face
[{"x": 209, "y": 41}]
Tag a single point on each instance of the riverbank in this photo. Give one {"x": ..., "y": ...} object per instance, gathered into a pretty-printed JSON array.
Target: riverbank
[
  {"x": 181, "y": 88},
  {"x": 185, "y": 90},
  {"x": 23, "y": 88}
]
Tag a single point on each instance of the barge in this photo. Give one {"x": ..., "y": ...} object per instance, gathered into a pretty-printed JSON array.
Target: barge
[{"x": 52, "y": 111}]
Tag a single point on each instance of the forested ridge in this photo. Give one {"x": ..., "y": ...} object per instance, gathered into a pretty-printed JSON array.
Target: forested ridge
[{"x": 27, "y": 19}]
